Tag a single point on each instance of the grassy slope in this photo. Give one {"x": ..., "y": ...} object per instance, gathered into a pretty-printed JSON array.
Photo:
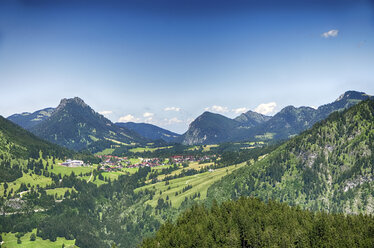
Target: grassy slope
[
  {"x": 57, "y": 169},
  {"x": 199, "y": 183},
  {"x": 10, "y": 241},
  {"x": 33, "y": 180}
]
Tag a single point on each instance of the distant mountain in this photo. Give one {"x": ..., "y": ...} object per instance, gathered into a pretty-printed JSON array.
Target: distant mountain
[
  {"x": 210, "y": 128},
  {"x": 28, "y": 120},
  {"x": 76, "y": 125},
  {"x": 251, "y": 125},
  {"x": 329, "y": 167},
  {"x": 291, "y": 120},
  {"x": 150, "y": 131},
  {"x": 252, "y": 119},
  {"x": 287, "y": 122},
  {"x": 16, "y": 142}
]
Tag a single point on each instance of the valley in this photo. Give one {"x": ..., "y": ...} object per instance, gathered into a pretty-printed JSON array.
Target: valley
[{"x": 99, "y": 184}]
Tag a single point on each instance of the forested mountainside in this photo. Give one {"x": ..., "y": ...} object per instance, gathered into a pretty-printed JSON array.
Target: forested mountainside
[
  {"x": 17, "y": 143},
  {"x": 76, "y": 125},
  {"x": 249, "y": 222},
  {"x": 28, "y": 120},
  {"x": 212, "y": 128},
  {"x": 329, "y": 167}
]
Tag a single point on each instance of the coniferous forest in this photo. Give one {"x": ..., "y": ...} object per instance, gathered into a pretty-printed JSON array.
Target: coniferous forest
[{"x": 250, "y": 222}]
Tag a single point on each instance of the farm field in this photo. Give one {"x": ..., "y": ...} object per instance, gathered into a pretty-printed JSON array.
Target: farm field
[
  {"x": 59, "y": 191},
  {"x": 107, "y": 151},
  {"x": 199, "y": 182},
  {"x": 192, "y": 165},
  {"x": 148, "y": 149},
  {"x": 10, "y": 241},
  {"x": 57, "y": 169}
]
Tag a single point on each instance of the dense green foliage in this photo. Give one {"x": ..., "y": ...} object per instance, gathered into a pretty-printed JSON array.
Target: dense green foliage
[
  {"x": 329, "y": 167},
  {"x": 250, "y": 222},
  {"x": 9, "y": 172},
  {"x": 94, "y": 216},
  {"x": 16, "y": 142}
]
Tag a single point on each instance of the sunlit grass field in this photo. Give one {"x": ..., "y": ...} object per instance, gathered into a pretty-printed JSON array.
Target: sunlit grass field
[
  {"x": 199, "y": 182},
  {"x": 10, "y": 241}
]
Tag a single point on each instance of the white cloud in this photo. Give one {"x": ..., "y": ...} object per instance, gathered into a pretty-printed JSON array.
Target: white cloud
[
  {"x": 176, "y": 109},
  {"x": 218, "y": 109},
  {"x": 171, "y": 121},
  {"x": 331, "y": 33},
  {"x": 240, "y": 110},
  {"x": 265, "y": 108},
  {"x": 148, "y": 114},
  {"x": 128, "y": 118},
  {"x": 106, "y": 112},
  {"x": 149, "y": 120}
]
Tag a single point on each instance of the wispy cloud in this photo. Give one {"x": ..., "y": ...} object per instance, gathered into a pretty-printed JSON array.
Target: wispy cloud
[
  {"x": 128, "y": 118},
  {"x": 218, "y": 109},
  {"x": 148, "y": 114},
  {"x": 176, "y": 109},
  {"x": 106, "y": 112},
  {"x": 331, "y": 33},
  {"x": 240, "y": 110},
  {"x": 265, "y": 108}
]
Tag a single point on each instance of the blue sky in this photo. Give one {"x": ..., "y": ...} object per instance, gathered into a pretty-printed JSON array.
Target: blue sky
[{"x": 165, "y": 62}]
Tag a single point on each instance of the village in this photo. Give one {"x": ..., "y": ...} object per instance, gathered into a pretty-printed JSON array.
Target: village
[{"x": 115, "y": 163}]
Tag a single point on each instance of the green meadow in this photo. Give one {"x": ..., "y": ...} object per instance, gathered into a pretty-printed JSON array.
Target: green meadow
[
  {"x": 10, "y": 241},
  {"x": 199, "y": 182},
  {"x": 148, "y": 149},
  {"x": 27, "y": 179},
  {"x": 63, "y": 170},
  {"x": 59, "y": 191}
]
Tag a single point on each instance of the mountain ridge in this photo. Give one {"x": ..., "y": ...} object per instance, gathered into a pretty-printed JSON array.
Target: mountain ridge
[
  {"x": 28, "y": 120},
  {"x": 150, "y": 131},
  {"x": 75, "y": 125},
  {"x": 253, "y": 126}
]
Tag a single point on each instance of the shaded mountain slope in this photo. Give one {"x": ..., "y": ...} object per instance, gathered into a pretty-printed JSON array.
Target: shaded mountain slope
[
  {"x": 150, "y": 131},
  {"x": 252, "y": 119},
  {"x": 210, "y": 128},
  {"x": 28, "y": 120},
  {"x": 16, "y": 142}
]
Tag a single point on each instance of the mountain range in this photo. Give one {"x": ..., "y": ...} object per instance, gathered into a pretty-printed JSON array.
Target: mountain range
[
  {"x": 75, "y": 125},
  {"x": 211, "y": 128}
]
